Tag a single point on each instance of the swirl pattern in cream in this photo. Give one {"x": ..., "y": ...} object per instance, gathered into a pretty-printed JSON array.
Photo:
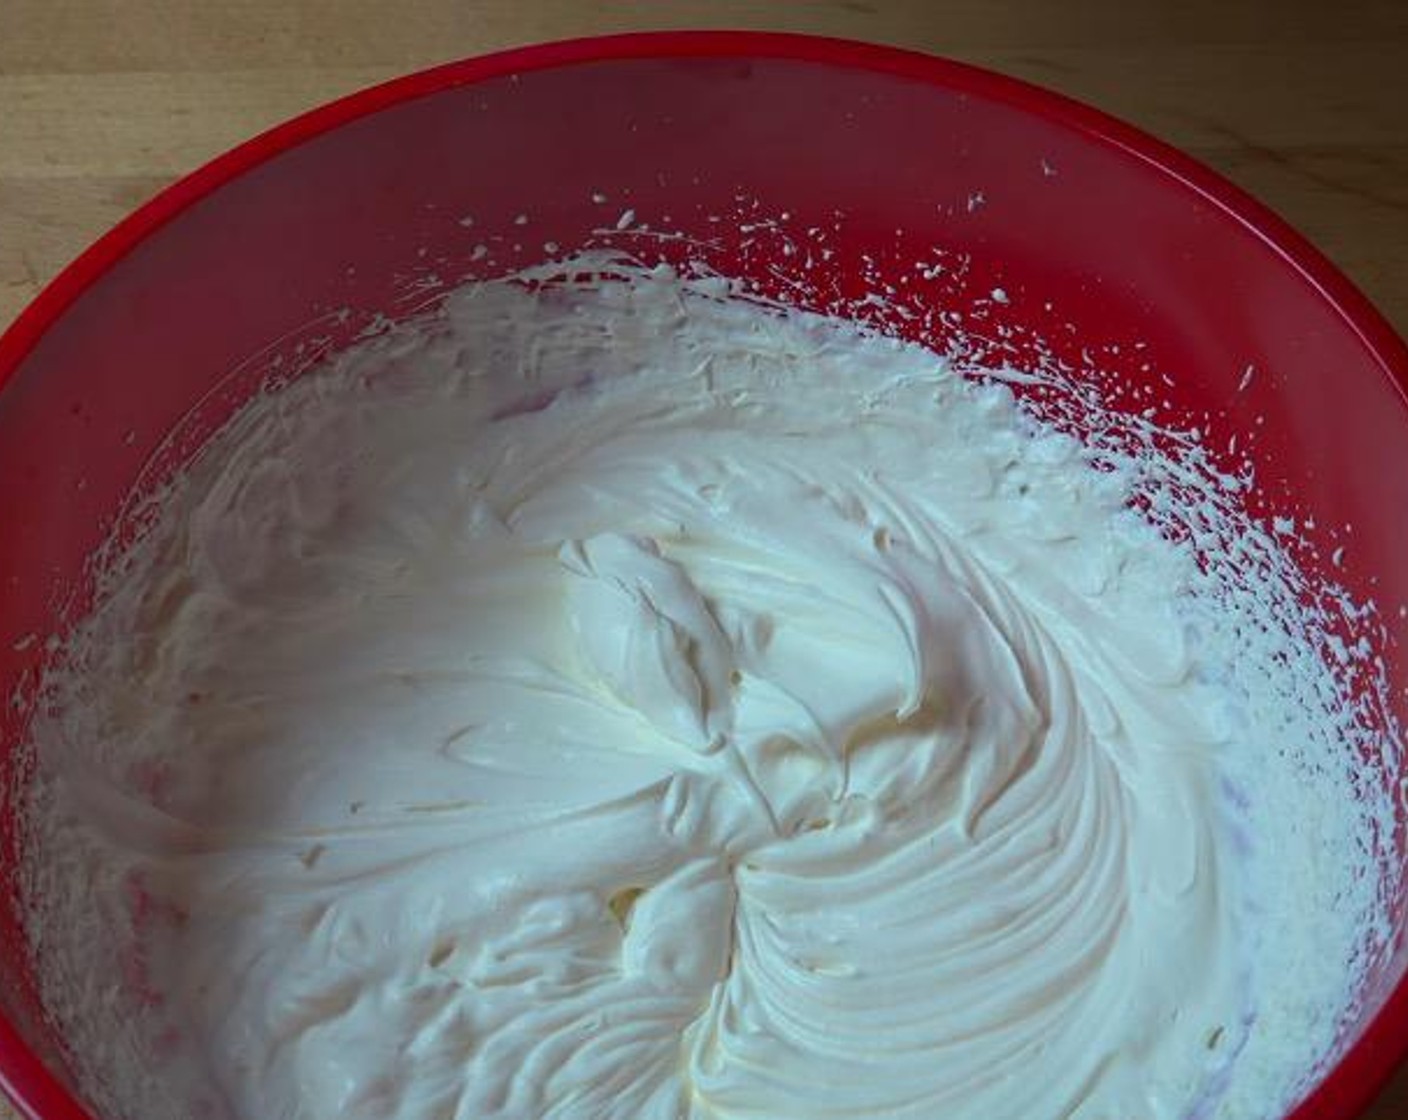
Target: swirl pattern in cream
[{"x": 620, "y": 702}]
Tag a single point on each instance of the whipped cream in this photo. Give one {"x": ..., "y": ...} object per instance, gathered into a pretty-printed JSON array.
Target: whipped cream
[{"x": 611, "y": 699}]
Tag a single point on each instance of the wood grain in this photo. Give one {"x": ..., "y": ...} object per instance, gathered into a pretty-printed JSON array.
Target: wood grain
[{"x": 102, "y": 102}]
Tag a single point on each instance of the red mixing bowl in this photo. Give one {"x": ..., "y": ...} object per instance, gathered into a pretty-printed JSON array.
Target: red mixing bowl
[{"x": 817, "y": 169}]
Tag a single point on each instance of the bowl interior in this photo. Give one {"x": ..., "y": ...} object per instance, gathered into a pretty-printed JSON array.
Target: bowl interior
[{"x": 818, "y": 171}]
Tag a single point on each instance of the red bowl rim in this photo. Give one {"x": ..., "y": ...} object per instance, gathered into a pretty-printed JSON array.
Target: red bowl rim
[{"x": 1367, "y": 1066}]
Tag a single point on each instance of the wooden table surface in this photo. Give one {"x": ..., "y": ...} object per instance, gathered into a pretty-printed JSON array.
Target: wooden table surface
[{"x": 1305, "y": 104}]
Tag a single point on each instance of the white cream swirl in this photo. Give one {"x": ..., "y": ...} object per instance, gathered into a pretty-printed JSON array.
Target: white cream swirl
[{"x": 619, "y": 702}]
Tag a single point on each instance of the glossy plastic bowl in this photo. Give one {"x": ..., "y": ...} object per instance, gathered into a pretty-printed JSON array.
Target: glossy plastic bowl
[{"x": 818, "y": 169}]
